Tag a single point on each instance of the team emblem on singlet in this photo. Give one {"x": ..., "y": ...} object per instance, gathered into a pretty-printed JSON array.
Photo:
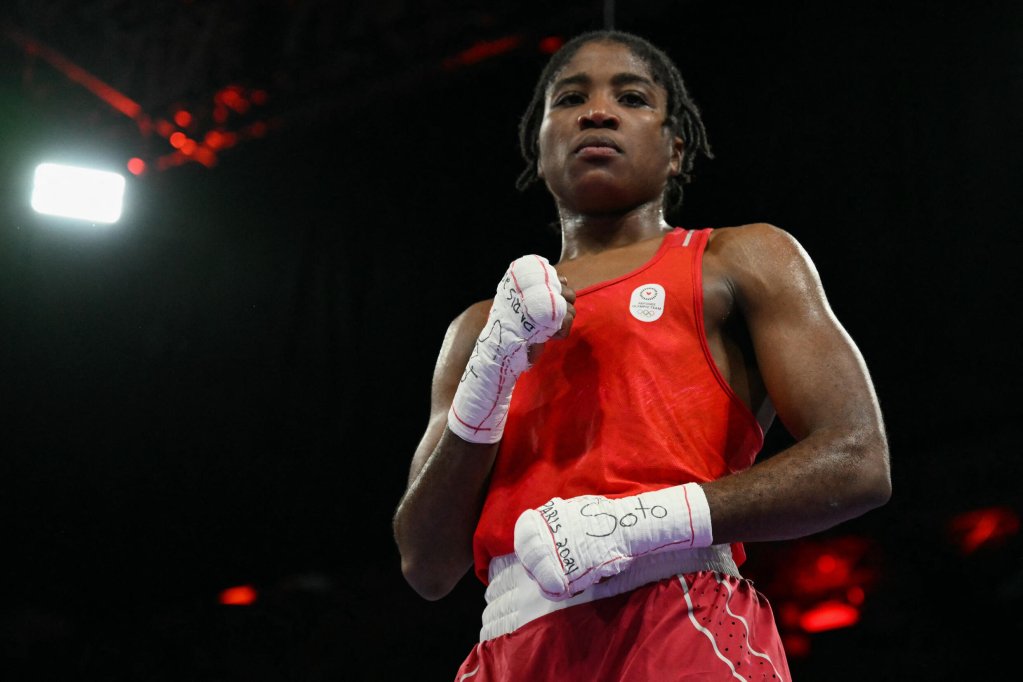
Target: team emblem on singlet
[{"x": 647, "y": 302}]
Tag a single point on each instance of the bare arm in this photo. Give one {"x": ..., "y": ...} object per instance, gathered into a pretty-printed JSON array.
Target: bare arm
[
  {"x": 437, "y": 516},
  {"x": 820, "y": 387}
]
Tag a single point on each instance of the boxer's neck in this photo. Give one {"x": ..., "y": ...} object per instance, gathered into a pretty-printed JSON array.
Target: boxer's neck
[{"x": 583, "y": 235}]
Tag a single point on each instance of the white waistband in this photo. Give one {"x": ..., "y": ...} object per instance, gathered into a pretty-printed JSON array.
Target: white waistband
[{"x": 513, "y": 599}]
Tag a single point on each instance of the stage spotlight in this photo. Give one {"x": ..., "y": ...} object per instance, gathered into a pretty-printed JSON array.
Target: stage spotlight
[{"x": 79, "y": 193}]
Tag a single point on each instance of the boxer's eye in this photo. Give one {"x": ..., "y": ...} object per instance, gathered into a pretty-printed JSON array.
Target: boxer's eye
[
  {"x": 568, "y": 99},
  {"x": 633, "y": 99}
]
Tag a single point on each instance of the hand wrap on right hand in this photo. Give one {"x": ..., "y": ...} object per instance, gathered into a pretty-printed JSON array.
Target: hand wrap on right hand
[
  {"x": 568, "y": 545},
  {"x": 528, "y": 309}
]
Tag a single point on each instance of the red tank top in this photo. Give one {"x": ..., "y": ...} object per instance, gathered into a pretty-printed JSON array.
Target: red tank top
[{"x": 630, "y": 401}]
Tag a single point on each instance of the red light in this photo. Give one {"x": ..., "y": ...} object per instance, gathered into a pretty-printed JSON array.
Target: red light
[
  {"x": 72, "y": 71},
  {"x": 796, "y": 645},
  {"x": 484, "y": 49},
  {"x": 177, "y": 139},
  {"x": 188, "y": 147},
  {"x": 220, "y": 114},
  {"x": 788, "y": 614},
  {"x": 183, "y": 118},
  {"x": 166, "y": 161},
  {"x": 205, "y": 156},
  {"x": 975, "y": 529},
  {"x": 551, "y": 44},
  {"x": 829, "y": 568},
  {"x": 257, "y": 129},
  {"x": 259, "y": 97},
  {"x": 855, "y": 595},
  {"x": 164, "y": 128},
  {"x": 214, "y": 140},
  {"x": 829, "y": 616},
  {"x": 136, "y": 166},
  {"x": 231, "y": 96},
  {"x": 242, "y": 595},
  {"x": 826, "y": 563}
]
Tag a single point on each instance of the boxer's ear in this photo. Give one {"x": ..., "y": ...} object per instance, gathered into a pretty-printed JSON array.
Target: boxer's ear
[{"x": 677, "y": 154}]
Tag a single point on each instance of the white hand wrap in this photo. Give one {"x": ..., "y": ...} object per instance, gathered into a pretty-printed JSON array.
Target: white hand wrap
[
  {"x": 568, "y": 545},
  {"x": 528, "y": 309}
]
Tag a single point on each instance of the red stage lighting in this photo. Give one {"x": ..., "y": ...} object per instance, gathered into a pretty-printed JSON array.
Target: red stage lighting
[
  {"x": 205, "y": 156},
  {"x": 797, "y": 645},
  {"x": 484, "y": 49},
  {"x": 240, "y": 595},
  {"x": 983, "y": 527},
  {"x": 136, "y": 166},
  {"x": 164, "y": 128},
  {"x": 829, "y": 616},
  {"x": 551, "y": 44},
  {"x": 214, "y": 139}
]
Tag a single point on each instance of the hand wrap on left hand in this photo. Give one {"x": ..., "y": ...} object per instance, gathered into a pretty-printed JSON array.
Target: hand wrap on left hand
[{"x": 568, "y": 545}]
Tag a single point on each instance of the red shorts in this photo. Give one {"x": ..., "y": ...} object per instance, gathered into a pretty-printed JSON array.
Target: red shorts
[{"x": 704, "y": 626}]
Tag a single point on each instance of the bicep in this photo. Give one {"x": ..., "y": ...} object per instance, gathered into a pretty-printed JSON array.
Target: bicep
[
  {"x": 459, "y": 341},
  {"x": 812, "y": 369}
]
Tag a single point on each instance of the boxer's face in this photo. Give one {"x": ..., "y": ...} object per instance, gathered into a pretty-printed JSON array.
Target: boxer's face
[{"x": 604, "y": 147}]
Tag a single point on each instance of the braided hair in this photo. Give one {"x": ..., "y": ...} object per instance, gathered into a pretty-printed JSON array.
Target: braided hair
[{"x": 683, "y": 117}]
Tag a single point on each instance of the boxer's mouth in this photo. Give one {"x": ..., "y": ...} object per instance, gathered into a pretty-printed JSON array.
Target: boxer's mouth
[{"x": 598, "y": 145}]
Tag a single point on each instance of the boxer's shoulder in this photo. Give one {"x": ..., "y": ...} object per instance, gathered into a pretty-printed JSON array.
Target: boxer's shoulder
[
  {"x": 753, "y": 243},
  {"x": 754, "y": 253}
]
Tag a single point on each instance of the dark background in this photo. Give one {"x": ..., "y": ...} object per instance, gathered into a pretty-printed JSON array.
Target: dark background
[{"x": 226, "y": 387}]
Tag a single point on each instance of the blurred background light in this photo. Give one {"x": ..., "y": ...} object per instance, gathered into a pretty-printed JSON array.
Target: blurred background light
[
  {"x": 240, "y": 595},
  {"x": 829, "y": 616},
  {"x": 80, "y": 193},
  {"x": 980, "y": 528}
]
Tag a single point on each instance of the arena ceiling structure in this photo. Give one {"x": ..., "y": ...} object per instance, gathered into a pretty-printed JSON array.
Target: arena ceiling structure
[
  {"x": 194, "y": 78},
  {"x": 209, "y": 409}
]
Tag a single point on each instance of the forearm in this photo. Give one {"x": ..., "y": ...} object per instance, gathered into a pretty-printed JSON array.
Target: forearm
[
  {"x": 479, "y": 364},
  {"x": 437, "y": 516},
  {"x": 829, "y": 477}
]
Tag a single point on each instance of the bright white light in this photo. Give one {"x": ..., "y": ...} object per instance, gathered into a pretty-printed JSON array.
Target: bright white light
[{"x": 82, "y": 193}]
